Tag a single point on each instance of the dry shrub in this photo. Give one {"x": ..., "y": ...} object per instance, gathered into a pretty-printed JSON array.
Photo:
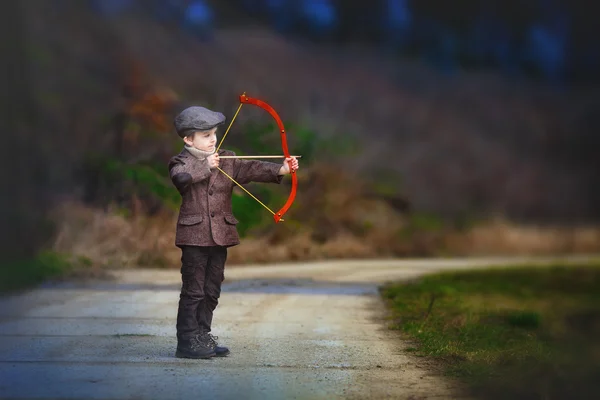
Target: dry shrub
[
  {"x": 259, "y": 250},
  {"x": 113, "y": 240},
  {"x": 347, "y": 246},
  {"x": 336, "y": 202},
  {"x": 299, "y": 248},
  {"x": 336, "y": 216},
  {"x": 499, "y": 236}
]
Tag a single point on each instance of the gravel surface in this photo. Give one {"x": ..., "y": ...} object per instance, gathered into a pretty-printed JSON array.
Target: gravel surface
[{"x": 296, "y": 331}]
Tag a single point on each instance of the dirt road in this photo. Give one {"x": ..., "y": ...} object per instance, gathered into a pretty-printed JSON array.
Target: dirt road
[{"x": 302, "y": 331}]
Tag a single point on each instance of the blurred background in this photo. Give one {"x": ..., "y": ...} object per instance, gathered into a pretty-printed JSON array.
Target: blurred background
[{"x": 427, "y": 128}]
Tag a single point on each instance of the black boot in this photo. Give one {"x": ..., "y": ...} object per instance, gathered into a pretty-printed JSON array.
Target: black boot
[
  {"x": 220, "y": 351},
  {"x": 194, "y": 348}
]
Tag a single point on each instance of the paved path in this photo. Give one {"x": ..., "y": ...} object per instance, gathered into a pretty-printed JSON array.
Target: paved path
[{"x": 300, "y": 331}]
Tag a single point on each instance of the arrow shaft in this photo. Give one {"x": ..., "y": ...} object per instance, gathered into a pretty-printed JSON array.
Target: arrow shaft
[{"x": 257, "y": 156}]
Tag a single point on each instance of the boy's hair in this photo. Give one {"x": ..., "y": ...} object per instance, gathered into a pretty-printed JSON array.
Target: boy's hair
[{"x": 192, "y": 133}]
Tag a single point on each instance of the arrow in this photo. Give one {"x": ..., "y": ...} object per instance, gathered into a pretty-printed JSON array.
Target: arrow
[{"x": 256, "y": 156}]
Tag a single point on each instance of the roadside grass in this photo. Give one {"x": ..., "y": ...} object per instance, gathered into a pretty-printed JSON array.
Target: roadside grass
[
  {"x": 511, "y": 333},
  {"x": 23, "y": 274}
]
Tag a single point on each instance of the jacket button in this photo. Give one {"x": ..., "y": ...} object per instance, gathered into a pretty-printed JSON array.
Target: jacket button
[
  {"x": 210, "y": 192},
  {"x": 212, "y": 214}
]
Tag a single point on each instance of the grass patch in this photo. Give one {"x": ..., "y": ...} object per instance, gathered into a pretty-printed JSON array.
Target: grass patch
[
  {"x": 515, "y": 333},
  {"x": 46, "y": 265}
]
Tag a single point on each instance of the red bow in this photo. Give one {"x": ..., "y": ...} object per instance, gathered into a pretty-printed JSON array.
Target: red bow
[{"x": 278, "y": 216}]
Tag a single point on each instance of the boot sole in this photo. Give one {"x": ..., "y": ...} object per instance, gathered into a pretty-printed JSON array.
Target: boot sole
[
  {"x": 222, "y": 354},
  {"x": 180, "y": 354}
]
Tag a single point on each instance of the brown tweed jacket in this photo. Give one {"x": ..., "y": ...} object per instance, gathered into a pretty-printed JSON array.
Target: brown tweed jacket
[{"x": 205, "y": 216}]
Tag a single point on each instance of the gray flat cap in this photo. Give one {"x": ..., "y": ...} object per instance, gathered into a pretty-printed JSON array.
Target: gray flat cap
[{"x": 197, "y": 119}]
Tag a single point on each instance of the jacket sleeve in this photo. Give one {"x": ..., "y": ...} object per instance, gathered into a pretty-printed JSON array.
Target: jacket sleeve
[
  {"x": 246, "y": 171},
  {"x": 184, "y": 173}
]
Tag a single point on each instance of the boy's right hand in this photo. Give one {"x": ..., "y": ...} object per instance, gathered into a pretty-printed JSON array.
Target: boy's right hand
[{"x": 213, "y": 160}]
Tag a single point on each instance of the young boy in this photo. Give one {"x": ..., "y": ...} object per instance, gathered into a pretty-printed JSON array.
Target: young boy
[{"x": 206, "y": 226}]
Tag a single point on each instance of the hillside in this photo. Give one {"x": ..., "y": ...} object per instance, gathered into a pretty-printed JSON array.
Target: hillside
[
  {"x": 462, "y": 147},
  {"x": 478, "y": 141}
]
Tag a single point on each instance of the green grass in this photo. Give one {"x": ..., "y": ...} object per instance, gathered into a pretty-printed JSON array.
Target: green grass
[
  {"x": 515, "y": 333},
  {"x": 27, "y": 273}
]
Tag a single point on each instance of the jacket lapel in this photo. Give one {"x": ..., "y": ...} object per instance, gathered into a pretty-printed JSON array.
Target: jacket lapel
[
  {"x": 213, "y": 177},
  {"x": 215, "y": 173}
]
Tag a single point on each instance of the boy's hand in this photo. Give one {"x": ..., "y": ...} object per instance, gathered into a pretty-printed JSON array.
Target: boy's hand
[
  {"x": 285, "y": 168},
  {"x": 213, "y": 160}
]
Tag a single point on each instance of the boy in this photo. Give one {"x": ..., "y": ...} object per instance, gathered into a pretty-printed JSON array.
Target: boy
[{"x": 206, "y": 226}]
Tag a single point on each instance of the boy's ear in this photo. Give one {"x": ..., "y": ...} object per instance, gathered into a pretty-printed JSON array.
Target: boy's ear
[{"x": 189, "y": 140}]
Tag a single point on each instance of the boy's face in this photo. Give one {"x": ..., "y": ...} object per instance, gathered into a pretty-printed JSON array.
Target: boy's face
[{"x": 205, "y": 141}]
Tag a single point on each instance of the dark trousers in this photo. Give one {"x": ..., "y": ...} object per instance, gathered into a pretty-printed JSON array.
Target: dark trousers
[{"x": 202, "y": 273}]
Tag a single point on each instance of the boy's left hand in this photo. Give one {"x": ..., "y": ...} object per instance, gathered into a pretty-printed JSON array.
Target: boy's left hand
[{"x": 285, "y": 168}]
